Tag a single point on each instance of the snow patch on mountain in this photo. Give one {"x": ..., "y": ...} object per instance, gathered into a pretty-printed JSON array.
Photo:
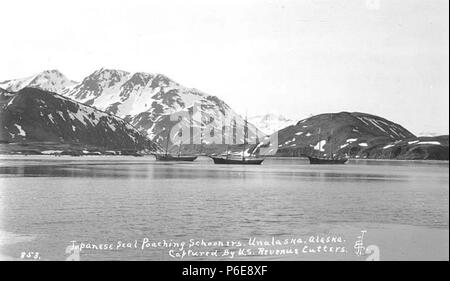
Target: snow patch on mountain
[
  {"x": 430, "y": 142},
  {"x": 21, "y": 131},
  {"x": 320, "y": 145}
]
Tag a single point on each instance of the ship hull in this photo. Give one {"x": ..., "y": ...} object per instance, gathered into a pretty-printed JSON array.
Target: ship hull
[
  {"x": 220, "y": 160},
  {"x": 324, "y": 161},
  {"x": 164, "y": 157}
]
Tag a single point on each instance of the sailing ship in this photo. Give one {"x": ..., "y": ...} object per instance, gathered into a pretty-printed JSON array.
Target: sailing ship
[
  {"x": 250, "y": 160},
  {"x": 329, "y": 160},
  {"x": 169, "y": 157},
  {"x": 243, "y": 161}
]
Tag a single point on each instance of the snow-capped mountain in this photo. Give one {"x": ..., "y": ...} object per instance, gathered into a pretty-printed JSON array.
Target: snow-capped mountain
[
  {"x": 49, "y": 80},
  {"x": 270, "y": 123},
  {"x": 342, "y": 130},
  {"x": 34, "y": 115},
  {"x": 147, "y": 101}
]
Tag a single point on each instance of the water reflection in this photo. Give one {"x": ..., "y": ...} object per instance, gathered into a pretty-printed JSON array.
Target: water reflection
[
  {"x": 73, "y": 171},
  {"x": 197, "y": 170}
]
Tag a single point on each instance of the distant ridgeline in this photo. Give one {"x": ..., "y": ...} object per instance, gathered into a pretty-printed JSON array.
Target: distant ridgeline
[
  {"x": 114, "y": 110},
  {"x": 358, "y": 135}
]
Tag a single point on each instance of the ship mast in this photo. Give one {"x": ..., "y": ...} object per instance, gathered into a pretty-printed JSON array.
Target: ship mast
[
  {"x": 167, "y": 143},
  {"x": 229, "y": 140},
  {"x": 320, "y": 140},
  {"x": 245, "y": 136},
  {"x": 331, "y": 138},
  {"x": 179, "y": 149}
]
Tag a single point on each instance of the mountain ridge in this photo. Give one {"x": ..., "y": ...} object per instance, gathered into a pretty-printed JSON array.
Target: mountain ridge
[
  {"x": 357, "y": 135},
  {"x": 49, "y": 80},
  {"x": 145, "y": 100},
  {"x": 34, "y": 115}
]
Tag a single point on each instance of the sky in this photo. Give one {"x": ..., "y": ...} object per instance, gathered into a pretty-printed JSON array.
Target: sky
[{"x": 295, "y": 58}]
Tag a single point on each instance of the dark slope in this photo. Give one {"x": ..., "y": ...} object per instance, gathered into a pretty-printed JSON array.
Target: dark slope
[
  {"x": 358, "y": 135},
  {"x": 33, "y": 115}
]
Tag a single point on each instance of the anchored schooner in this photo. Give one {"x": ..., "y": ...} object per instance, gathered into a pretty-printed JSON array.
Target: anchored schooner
[
  {"x": 169, "y": 157},
  {"x": 250, "y": 160},
  {"x": 330, "y": 159}
]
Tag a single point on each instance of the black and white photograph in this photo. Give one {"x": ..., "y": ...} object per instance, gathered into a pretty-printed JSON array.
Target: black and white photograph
[{"x": 224, "y": 131}]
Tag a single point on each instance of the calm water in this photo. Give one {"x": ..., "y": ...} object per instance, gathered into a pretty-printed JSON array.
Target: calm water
[{"x": 46, "y": 202}]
